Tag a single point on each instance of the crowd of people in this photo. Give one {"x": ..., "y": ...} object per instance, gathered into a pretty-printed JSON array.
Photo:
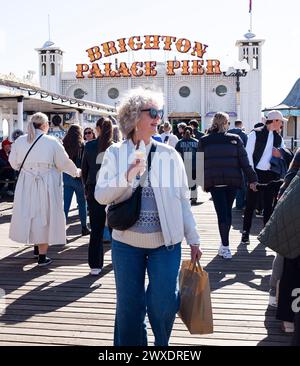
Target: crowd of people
[{"x": 100, "y": 165}]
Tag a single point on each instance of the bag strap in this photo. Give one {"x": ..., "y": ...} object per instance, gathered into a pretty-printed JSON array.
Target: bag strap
[
  {"x": 29, "y": 151},
  {"x": 149, "y": 162},
  {"x": 196, "y": 266}
]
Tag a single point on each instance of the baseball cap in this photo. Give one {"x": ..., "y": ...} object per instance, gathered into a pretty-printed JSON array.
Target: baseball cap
[
  {"x": 6, "y": 142},
  {"x": 275, "y": 115}
]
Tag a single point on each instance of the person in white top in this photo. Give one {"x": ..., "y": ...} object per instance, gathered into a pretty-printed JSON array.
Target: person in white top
[
  {"x": 38, "y": 215},
  {"x": 167, "y": 136},
  {"x": 152, "y": 244},
  {"x": 263, "y": 144}
]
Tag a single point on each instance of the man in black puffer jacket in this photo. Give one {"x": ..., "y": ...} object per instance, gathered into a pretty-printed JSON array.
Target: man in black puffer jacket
[{"x": 224, "y": 160}]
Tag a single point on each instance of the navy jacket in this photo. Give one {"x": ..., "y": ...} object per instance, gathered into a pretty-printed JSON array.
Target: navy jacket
[
  {"x": 224, "y": 160},
  {"x": 241, "y": 133},
  {"x": 89, "y": 167},
  {"x": 188, "y": 146}
]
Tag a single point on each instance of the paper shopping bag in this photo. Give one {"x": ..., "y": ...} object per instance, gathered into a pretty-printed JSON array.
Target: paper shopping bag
[{"x": 195, "y": 302}]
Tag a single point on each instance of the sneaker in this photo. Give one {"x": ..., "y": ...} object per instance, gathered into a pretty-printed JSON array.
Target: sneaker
[
  {"x": 288, "y": 327},
  {"x": 85, "y": 231},
  {"x": 245, "y": 238},
  {"x": 224, "y": 252},
  {"x": 259, "y": 213},
  {"x": 95, "y": 271},
  {"x": 44, "y": 262},
  {"x": 273, "y": 301}
]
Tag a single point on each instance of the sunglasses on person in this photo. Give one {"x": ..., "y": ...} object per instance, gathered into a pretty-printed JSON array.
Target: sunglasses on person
[
  {"x": 88, "y": 132},
  {"x": 154, "y": 113}
]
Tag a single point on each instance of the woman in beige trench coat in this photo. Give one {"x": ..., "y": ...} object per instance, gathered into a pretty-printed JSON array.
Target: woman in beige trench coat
[{"x": 38, "y": 215}]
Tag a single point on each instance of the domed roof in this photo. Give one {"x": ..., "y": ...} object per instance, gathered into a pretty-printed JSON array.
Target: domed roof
[
  {"x": 48, "y": 44},
  {"x": 293, "y": 98}
]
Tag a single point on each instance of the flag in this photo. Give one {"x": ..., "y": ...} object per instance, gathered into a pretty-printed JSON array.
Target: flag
[{"x": 250, "y": 6}]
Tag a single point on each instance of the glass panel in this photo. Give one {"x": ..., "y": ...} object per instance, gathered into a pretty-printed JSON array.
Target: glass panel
[
  {"x": 113, "y": 93},
  {"x": 44, "y": 69},
  {"x": 184, "y": 91},
  {"x": 221, "y": 90},
  {"x": 52, "y": 69},
  {"x": 79, "y": 93}
]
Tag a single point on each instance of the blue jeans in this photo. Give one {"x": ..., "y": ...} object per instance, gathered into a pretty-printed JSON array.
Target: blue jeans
[
  {"x": 223, "y": 198},
  {"x": 72, "y": 185},
  {"x": 160, "y": 299}
]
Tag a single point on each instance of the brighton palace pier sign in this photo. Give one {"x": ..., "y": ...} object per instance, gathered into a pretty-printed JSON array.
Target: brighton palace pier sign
[{"x": 197, "y": 66}]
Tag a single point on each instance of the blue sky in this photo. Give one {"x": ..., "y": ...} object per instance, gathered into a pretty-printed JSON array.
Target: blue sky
[{"x": 77, "y": 25}]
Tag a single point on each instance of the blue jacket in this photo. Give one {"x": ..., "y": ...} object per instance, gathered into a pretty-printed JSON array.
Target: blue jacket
[{"x": 241, "y": 133}]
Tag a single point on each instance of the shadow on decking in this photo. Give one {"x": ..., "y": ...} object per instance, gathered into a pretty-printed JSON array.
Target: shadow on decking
[
  {"x": 242, "y": 266},
  {"x": 46, "y": 297}
]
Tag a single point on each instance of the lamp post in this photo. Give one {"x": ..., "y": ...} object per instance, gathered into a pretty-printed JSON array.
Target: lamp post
[{"x": 240, "y": 70}]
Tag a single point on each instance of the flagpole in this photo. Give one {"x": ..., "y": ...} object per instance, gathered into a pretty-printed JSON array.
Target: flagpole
[
  {"x": 250, "y": 34},
  {"x": 250, "y": 13},
  {"x": 49, "y": 32}
]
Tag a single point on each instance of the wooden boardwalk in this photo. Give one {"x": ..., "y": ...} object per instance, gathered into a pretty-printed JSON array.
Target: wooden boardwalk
[{"x": 63, "y": 305}]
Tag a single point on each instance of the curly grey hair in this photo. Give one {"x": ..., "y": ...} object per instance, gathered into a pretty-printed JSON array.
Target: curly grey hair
[{"x": 129, "y": 111}]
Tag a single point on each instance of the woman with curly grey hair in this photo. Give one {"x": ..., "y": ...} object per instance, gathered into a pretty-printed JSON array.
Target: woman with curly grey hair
[{"x": 153, "y": 243}]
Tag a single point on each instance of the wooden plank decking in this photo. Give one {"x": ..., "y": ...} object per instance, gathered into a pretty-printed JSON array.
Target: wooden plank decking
[{"x": 63, "y": 305}]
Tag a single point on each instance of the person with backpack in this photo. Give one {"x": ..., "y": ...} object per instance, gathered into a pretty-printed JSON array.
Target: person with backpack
[{"x": 263, "y": 144}]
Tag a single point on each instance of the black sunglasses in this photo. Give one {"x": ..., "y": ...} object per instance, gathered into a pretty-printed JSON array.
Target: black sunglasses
[
  {"x": 88, "y": 132},
  {"x": 154, "y": 113}
]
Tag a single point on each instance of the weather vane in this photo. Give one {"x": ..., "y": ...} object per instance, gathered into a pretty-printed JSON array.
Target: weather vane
[{"x": 249, "y": 34}]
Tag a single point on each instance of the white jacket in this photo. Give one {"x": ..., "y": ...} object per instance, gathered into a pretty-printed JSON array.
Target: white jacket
[
  {"x": 169, "y": 183},
  {"x": 172, "y": 139},
  {"x": 38, "y": 215}
]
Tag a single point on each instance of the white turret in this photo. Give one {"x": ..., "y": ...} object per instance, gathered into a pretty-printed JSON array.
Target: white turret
[
  {"x": 50, "y": 66},
  {"x": 250, "y": 50}
]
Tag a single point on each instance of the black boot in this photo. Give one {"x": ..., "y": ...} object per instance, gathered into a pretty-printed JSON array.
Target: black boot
[
  {"x": 85, "y": 231},
  {"x": 245, "y": 238},
  {"x": 36, "y": 251}
]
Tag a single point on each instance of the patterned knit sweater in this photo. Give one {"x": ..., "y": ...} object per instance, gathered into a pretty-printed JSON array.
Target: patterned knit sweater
[{"x": 146, "y": 232}]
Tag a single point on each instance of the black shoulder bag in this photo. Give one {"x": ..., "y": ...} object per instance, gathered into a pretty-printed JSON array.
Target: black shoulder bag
[
  {"x": 28, "y": 153},
  {"x": 123, "y": 215}
]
